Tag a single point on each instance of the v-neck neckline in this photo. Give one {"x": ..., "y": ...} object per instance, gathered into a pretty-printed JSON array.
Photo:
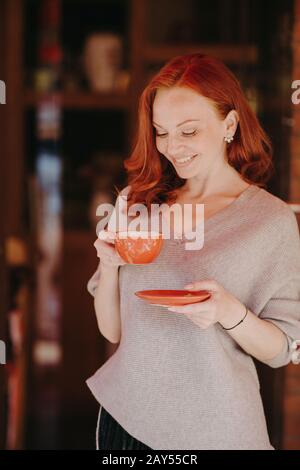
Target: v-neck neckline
[{"x": 226, "y": 211}]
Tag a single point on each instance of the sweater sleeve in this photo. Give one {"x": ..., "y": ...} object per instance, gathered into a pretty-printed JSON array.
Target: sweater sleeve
[
  {"x": 94, "y": 280},
  {"x": 283, "y": 308}
]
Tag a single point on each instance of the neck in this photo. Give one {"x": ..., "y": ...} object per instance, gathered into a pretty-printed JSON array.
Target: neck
[{"x": 222, "y": 180}]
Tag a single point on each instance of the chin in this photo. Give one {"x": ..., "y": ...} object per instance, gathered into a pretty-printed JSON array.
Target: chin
[
  {"x": 187, "y": 172},
  {"x": 186, "y": 176}
]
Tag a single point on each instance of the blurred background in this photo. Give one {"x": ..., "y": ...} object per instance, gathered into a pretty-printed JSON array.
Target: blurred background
[{"x": 74, "y": 70}]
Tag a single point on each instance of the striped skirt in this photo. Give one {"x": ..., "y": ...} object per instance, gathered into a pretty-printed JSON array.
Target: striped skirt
[{"x": 111, "y": 436}]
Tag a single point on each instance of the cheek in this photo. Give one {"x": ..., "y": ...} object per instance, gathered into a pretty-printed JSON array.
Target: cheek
[
  {"x": 214, "y": 136},
  {"x": 211, "y": 141},
  {"x": 161, "y": 146},
  {"x": 196, "y": 144}
]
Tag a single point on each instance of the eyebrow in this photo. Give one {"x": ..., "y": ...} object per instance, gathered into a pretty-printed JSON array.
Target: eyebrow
[{"x": 180, "y": 124}]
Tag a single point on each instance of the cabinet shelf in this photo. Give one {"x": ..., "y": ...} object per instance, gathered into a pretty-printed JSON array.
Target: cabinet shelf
[
  {"x": 83, "y": 100},
  {"x": 229, "y": 53}
]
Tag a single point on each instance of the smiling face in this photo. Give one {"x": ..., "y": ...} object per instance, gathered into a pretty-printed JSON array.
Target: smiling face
[{"x": 190, "y": 132}]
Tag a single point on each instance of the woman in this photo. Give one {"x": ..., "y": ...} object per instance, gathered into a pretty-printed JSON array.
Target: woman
[{"x": 184, "y": 378}]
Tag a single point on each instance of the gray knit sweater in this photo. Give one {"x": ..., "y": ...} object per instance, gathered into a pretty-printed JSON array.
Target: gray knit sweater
[{"x": 173, "y": 385}]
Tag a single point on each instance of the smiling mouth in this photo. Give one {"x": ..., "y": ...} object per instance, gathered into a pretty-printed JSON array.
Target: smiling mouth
[{"x": 185, "y": 161}]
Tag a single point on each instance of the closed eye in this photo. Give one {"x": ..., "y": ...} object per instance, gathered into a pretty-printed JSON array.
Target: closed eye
[{"x": 185, "y": 134}]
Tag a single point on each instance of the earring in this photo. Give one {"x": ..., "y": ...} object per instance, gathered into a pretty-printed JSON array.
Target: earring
[{"x": 228, "y": 139}]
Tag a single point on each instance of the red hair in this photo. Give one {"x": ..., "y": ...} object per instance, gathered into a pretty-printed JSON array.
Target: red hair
[{"x": 154, "y": 179}]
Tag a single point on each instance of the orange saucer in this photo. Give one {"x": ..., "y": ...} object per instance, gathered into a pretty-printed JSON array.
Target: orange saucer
[{"x": 173, "y": 297}]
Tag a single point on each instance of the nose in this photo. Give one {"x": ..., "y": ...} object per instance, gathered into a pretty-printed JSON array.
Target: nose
[{"x": 174, "y": 147}]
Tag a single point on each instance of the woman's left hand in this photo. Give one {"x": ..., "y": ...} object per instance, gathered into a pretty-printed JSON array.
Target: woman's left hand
[{"x": 221, "y": 305}]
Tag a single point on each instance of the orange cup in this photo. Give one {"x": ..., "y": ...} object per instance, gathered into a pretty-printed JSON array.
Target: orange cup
[{"x": 136, "y": 247}]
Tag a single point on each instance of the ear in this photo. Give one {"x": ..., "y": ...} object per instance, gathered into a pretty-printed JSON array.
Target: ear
[{"x": 231, "y": 122}]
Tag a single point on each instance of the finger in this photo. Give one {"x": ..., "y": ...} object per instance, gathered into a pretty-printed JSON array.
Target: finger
[
  {"x": 208, "y": 284},
  {"x": 107, "y": 236},
  {"x": 103, "y": 248},
  {"x": 198, "y": 307},
  {"x": 103, "y": 245}
]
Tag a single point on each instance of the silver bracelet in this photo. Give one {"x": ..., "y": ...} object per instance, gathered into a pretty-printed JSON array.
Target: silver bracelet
[{"x": 241, "y": 321}]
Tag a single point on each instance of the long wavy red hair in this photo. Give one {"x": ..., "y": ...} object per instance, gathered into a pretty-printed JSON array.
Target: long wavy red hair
[{"x": 154, "y": 179}]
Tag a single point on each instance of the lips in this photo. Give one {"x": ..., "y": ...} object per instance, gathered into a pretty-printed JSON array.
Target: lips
[{"x": 182, "y": 164}]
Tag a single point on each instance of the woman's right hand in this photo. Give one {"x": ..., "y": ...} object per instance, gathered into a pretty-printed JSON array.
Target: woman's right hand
[{"x": 104, "y": 245}]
